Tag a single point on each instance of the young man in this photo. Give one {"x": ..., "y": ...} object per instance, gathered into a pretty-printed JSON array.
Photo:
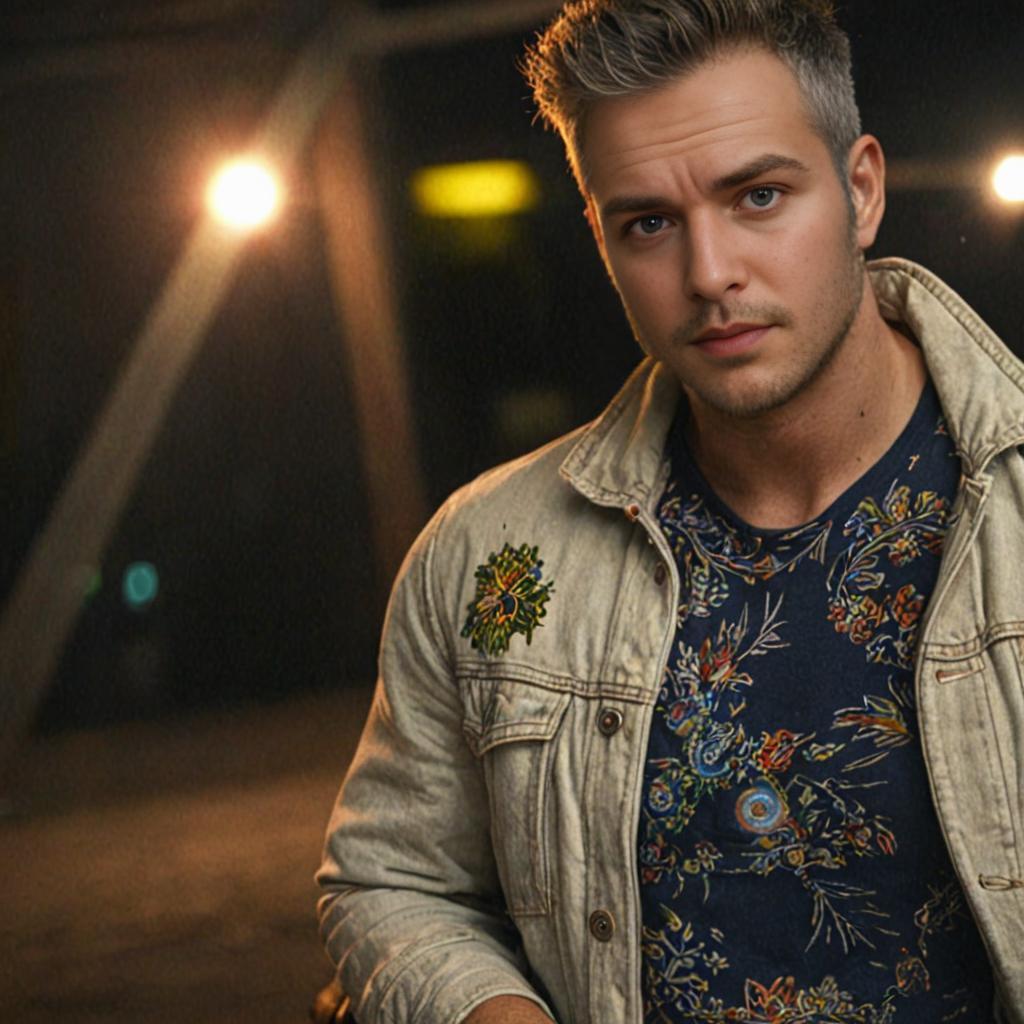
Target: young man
[{"x": 712, "y": 711}]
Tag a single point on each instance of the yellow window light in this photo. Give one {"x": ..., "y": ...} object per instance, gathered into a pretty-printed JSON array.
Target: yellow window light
[
  {"x": 1008, "y": 180},
  {"x": 484, "y": 188},
  {"x": 244, "y": 194}
]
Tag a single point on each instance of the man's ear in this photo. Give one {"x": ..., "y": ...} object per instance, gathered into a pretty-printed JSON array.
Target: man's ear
[{"x": 866, "y": 175}]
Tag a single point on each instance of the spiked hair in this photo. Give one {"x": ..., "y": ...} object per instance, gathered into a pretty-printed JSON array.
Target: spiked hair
[{"x": 597, "y": 49}]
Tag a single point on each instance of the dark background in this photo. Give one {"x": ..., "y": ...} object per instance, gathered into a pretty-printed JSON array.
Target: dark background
[{"x": 252, "y": 505}]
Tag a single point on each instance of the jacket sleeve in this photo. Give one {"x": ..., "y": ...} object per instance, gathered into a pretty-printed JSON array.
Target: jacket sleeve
[{"x": 412, "y": 912}]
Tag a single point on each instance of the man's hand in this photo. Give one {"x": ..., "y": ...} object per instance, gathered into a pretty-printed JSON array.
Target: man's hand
[{"x": 508, "y": 1010}]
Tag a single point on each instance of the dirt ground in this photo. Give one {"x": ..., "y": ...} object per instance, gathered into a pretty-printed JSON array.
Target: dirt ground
[{"x": 163, "y": 871}]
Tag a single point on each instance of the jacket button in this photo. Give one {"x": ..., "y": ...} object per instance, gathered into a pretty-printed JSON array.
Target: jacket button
[
  {"x": 602, "y": 925},
  {"x": 633, "y": 512},
  {"x": 660, "y": 574},
  {"x": 609, "y": 721}
]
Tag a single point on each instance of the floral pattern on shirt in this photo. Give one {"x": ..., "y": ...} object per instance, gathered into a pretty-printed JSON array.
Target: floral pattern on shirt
[
  {"x": 897, "y": 530},
  {"x": 785, "y": 799}
]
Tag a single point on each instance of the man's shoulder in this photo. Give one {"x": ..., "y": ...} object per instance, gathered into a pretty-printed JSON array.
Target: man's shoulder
[
  {"x": 530, "y": 488},
  {"x": 556, "y": 511},
  {"x": 505, "y": 531},
  {"x": 597, "y": 464}
]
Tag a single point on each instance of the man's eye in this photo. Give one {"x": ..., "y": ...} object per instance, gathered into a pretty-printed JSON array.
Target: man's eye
[
  {"x": 763, "y": 197},
  {"x": 649, "y": 225}
]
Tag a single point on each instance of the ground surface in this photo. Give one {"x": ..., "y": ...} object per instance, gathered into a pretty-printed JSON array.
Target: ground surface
[{"x": 163, "y": 872}]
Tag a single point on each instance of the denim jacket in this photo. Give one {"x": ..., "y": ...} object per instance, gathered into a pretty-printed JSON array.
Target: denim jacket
[{"x": 484, "y": 841}]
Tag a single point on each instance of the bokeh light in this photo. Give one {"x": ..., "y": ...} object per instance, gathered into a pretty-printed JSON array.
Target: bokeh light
[
  {"x": 244, "y": 194},
  {"x": 141, "y": 585},
  {"x": 483, "y": 188},
  {"x": 1008, "y": 180}
]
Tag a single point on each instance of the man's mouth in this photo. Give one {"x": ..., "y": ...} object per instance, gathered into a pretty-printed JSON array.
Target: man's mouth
[{"x": 732, "y": 339}]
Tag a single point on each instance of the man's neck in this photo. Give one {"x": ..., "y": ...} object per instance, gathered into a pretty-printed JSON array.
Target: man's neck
[{"x": 786, "y": 467}]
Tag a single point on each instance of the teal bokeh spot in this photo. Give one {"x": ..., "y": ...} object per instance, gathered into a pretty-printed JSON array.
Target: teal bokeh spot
[{"x": 141, "y": 584}]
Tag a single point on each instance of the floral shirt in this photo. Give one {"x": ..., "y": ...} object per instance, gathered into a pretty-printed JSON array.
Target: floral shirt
[{"x": 792, "y": 868}]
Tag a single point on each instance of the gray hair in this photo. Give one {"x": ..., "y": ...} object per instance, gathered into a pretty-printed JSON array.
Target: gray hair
[{"x": 596, "y": 49}]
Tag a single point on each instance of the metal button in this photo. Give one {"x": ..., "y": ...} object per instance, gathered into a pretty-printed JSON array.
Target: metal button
[
  {"x": 602, "y": 925},
  {"x": 660, "y": 574},
  {"x": 609, "y": 721},
  {"x": 633, "y": 512}
]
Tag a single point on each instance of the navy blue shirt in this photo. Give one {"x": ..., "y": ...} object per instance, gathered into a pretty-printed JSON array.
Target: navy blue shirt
[{"x": 792, "y": 867}]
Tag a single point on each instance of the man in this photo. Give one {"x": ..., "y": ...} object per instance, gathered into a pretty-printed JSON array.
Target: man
[{"x": 711, "y": 711}]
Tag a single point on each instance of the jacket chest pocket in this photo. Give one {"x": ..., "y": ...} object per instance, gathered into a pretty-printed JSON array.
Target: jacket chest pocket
[
  {"x": 975, "y": 704},
  {"x": 511, "y": 726}
]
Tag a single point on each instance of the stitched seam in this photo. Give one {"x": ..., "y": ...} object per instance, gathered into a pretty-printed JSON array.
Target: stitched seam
[
  {"x": 1007, "y": 789},
  {"x": 976, "y": 645},
  {"x": 595, "y": 689},
  {"x": 488, "y": 739},
  {"x": 433, "y": 595}
]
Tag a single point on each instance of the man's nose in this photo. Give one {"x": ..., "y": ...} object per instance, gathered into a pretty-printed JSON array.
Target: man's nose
[{"x": 715, "y": 263}]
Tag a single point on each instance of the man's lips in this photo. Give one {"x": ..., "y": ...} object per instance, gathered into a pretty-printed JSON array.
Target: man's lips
[{"x": 730, "y": 340}]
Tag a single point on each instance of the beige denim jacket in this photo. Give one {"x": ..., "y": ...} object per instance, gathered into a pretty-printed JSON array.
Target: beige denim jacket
[{"x": 484, "y": 841}]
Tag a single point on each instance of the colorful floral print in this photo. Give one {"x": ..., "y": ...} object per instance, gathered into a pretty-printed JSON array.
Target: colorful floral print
[
  {"x": 786, "y": 818},
  {"x": 709, "y": 550},
  {"x": 680, "y": 967},
  {"x": 899, "y": 530}
]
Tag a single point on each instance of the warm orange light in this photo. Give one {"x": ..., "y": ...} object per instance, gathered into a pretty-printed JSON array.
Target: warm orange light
[
  {"x": 244, "y": 194},
  {"x": 1008, "y": 180}
]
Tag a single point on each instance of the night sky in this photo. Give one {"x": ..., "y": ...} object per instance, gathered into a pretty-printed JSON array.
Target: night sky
[{"x": 252, "y": 506}]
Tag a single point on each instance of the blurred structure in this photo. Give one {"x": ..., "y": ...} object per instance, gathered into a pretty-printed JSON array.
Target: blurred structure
[
  {"x": 311, "y": 391},
  {"x": 48, "y": 592}
]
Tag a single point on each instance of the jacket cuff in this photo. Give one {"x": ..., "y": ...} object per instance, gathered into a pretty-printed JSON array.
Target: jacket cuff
[
  {"x": 442, "y": 983},
  {"x": 405, "y": 957}
]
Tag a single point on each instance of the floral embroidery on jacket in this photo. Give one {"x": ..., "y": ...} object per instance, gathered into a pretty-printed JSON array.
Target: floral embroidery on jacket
[{"x": 510, "y": 598}]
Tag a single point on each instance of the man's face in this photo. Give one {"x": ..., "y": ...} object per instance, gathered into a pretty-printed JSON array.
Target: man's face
[{"x": 726, "y": 230}]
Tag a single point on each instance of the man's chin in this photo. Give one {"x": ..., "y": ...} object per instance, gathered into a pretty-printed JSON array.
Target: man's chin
[{"x": 750, "y": 403}]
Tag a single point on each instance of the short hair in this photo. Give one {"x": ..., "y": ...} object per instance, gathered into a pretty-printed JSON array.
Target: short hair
[{"x": 595, "y": 49}]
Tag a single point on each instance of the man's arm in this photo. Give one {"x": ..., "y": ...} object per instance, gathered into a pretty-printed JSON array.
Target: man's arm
[{"x": 412, "y": 910}]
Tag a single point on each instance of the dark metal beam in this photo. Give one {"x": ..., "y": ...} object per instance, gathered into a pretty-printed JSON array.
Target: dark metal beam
[
  {"x": 360, "y": 264},
  {"x": 111, "y": 55}
]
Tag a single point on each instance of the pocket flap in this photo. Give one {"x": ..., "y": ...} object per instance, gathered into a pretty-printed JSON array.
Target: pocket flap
[{"x": 511, "y": 712}]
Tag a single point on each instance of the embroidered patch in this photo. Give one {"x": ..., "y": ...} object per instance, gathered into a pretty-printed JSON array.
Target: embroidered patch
[{"x": 510, "y": 599}]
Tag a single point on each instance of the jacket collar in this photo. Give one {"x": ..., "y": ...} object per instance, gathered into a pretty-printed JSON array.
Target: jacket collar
[
  {"x": 980, "y": 383},
  {"x": 619, "y": 458}
]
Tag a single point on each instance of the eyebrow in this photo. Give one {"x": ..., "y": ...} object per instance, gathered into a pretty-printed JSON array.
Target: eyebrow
[
  {"x": 748, "y": 172},
  {"x": 756, "y": 167}
]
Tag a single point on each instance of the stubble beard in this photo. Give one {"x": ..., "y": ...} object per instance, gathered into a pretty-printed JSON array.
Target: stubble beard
[{"x": 849, "y": 292}]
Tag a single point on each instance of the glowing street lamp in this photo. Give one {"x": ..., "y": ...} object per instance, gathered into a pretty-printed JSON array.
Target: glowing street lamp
[
  {"x": 1008, "y": 180},
  {"x": 244, "y": 195}
]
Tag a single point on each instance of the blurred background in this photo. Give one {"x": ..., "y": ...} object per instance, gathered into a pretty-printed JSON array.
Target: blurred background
[{"x": 216, "y": 439}]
